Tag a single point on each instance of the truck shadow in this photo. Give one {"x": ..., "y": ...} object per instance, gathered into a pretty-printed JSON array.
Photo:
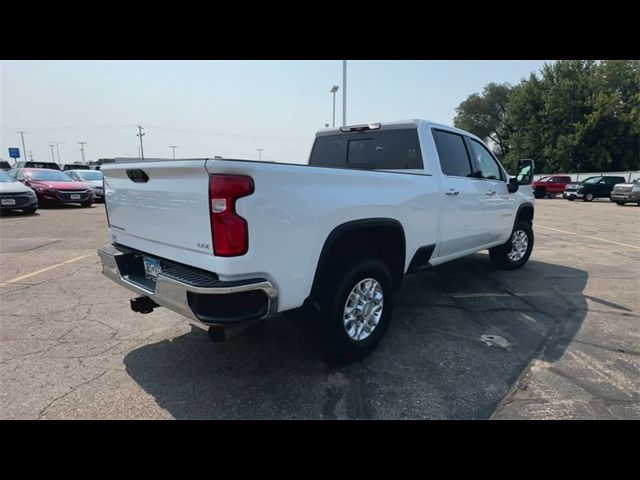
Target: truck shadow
[{"x": 461, "y": 336}]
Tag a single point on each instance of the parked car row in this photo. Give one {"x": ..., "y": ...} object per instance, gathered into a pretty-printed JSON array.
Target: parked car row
[
  {"x": 27, "y": 188},
  {"x": 616, "y": 188}
]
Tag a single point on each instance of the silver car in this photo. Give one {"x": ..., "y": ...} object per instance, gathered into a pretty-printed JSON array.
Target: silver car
[
  {"x": 626, "y": 192},
  {"x": 93, "y": 178}
]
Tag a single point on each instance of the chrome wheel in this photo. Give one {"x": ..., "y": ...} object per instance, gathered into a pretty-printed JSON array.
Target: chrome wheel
[
  {"x": 363, "y": 309},
  {"x": 519, "y": 244},
  {"x": 588, "y": 197}
]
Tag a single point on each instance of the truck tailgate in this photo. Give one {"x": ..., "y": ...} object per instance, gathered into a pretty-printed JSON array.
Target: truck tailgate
[{"x": 161, "y": 208}]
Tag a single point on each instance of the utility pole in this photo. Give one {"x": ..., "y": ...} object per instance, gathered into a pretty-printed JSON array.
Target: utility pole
[
  {"x": 53, "y": 156},
  {"x": 173, "y": 147},
  {"x": 24, "y": 149},
  {"x": 82, "y": 144},
  {"x": 139, "y": 156},
  {"x": 259, "y": 153},
  {"x": 344, "y": 93},
  {"x": 140, "y": 134}
]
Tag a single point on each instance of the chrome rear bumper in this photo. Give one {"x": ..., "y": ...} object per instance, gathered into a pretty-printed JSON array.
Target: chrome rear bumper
[{"x": 174, "y": 294}]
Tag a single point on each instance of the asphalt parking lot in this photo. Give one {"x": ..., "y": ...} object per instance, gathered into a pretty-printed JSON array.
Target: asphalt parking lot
[{"x": 557, "y": 339}]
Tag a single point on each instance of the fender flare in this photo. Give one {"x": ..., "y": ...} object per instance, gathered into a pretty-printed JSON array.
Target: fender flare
[{"x": 350, "y": 226}]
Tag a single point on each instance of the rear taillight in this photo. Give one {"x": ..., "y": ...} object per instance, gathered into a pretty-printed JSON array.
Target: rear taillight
[{"x": 229, "y": 231}]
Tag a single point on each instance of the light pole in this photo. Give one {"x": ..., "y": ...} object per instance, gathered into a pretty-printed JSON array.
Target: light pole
[
  {"x": 173, "y": 147},
  {"x": 140, "y": 134},
  {"x": 53, "y": 156},
  {"x": 333, "y": 90},
  {"x": 344, "y": 93},
  {"x": 24, "y": 149},
  {"x": 82, "y": 144},
  {"x": 259, "y": 153},
  {"x": 57, "y": 144}
]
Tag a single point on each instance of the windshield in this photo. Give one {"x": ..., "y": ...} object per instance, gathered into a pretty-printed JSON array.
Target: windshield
[
  {"x": 90, "y": 175},
  {"x": 544, "y": 179},
  {"x": 49, "y": 176},
  {"x": 5, "y": 178},
  {"x": 592, "y": 180}
]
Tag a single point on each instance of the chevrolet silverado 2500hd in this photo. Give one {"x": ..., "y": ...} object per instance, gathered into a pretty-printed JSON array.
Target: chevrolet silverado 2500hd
[{"x": 226, "y": 241}]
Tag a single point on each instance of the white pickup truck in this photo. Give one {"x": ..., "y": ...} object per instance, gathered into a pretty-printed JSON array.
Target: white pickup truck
[{"x": 227, "y": 242}]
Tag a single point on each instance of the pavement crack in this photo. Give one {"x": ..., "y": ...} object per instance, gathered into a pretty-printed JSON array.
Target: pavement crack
[{"x": 73, "y": 389}]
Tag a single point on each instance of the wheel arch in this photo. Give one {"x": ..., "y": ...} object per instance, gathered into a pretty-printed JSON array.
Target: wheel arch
[
  {"x": 376, "y": 234},
  {"x": 525, "y": 212}
]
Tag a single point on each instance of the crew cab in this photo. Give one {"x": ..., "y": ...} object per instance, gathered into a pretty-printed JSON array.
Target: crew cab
[
  {"x": 550, "y": 186},
  {"x": 592, "y": 188},
  {"x": 226, "y": 242}
]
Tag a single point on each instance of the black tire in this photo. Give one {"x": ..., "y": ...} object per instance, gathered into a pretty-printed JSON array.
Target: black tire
[
  {"x": 551, "y": 195},
  {"x": 540, "y": 192},
  {"x": 29, "y": 211},
  {"x": 588, "y": 197},
  {"x": 337, "y": 347},
  {"x": 500, "y": 255},
  {"x": 622, "y": 203},
  {"x": 86, "y": 204},
  {"x": 571, "y": 199}
]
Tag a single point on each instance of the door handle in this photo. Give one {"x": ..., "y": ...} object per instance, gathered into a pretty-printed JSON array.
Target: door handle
[
  {"x": 452, "y": 191},
  {"x": 491, "y": 192}
]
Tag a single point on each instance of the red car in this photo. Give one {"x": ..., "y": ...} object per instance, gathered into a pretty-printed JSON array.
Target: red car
[
  {"x": 550, "y": 186},
  {"x": 54, "y": 186}
]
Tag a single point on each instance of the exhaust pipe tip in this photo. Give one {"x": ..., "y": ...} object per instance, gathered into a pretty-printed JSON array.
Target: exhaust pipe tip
[{"x": 143, "y": 305}]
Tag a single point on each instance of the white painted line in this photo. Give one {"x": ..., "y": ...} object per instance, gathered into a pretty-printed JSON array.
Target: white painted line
[
  {"x": 38, "y": 272},
  {"x": 587, "y": 236}
]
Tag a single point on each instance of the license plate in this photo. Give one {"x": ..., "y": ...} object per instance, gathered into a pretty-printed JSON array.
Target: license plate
[
  {"x": 8, "y": 201},
  {"x": 151, "y": 268},
  {"x": 75, "y": 196}
]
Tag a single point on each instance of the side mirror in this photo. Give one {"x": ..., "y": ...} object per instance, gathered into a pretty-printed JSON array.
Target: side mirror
[
  {"x": 512, "y": 185},
  {"x": 524, "y": 173}
]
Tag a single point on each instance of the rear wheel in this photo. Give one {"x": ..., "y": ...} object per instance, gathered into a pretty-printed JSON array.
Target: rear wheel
[
  {"x": 355, "y": 310},
  {"x": 516, "y": 251},
  {"x": 570, "y": 199},
  {"x": 551, "y": 195},
  {"x": 540, "y": 192}
]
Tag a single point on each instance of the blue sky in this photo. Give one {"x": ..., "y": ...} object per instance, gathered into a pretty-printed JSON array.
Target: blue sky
[{"x": 227, "y": 108}]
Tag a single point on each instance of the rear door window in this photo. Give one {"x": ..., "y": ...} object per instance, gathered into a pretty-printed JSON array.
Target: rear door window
[{"x": 453, "y": 155}]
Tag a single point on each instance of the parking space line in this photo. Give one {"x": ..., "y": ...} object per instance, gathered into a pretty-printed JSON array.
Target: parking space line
[
  {"x": 38, "y": 272},
  {"x": 588, "y": 236}
]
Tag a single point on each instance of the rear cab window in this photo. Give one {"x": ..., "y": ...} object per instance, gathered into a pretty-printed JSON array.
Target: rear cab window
[{"x": 393, "y": 149}]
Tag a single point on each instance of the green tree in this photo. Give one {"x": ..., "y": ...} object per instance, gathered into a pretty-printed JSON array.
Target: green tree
[
  {"x": 575, "y": 115},
  {"x": 484, "y": 115}
]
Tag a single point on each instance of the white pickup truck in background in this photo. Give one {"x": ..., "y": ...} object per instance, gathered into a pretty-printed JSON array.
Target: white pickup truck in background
[{"x": 227, "y": 242}]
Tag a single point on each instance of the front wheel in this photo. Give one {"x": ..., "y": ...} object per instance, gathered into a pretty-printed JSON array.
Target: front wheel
[
  {"x": 622, "y": 203},
  {"x": 355, "y": 311},
  {"x": 516, "y": 251},
  {"x": 29, "y": 211},
  {"x": 588, "y": 197},
  {"x": 86, "y": 204}
]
